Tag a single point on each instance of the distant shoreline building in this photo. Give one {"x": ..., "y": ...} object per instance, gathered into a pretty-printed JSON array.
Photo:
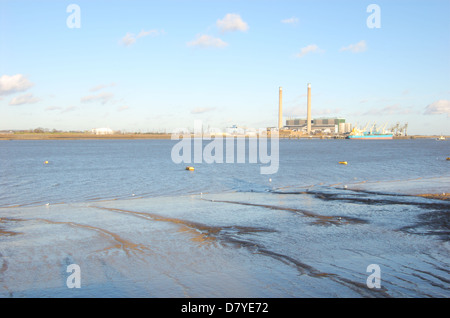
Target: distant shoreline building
[{"x": 102, "y": 131}]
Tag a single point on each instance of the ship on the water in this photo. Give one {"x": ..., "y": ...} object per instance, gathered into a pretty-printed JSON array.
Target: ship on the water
[{"x": 359, "y": 134}]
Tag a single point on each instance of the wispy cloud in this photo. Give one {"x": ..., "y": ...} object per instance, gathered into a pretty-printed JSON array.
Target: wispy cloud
[
  {"x": 295, "y": 111},
  {"x": 359, "y": 47},
  {"x": 439, "y": 107},
  {"x": 101, "y": 86},
  {"x": 122, "y": 108},
  {"x": 131, "y": 38},
  {"x": 13, "y": 84},
  {"x": 292, "y": 20},
  {"x": 232, "y": 22},
  {"x": 69, "y": 109},
  {"x": 312, "y": 48},
  {"x": 102, "y": 97},
  {"x": 201, "y": 110},
  {"x": 24, "y": 99},
  {"x": 207, "y": 41},
  {"x": 327, "y": 112},
  {"x": 51, "y": 108},
  {"x": 395, "y": 109},
  {"x": 128, "y": 39}
]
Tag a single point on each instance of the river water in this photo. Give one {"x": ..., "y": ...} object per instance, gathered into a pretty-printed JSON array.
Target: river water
[{"x": 137, "y": 224}]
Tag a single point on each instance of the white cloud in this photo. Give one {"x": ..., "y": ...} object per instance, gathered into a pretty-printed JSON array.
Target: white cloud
[
  {"x": 201, "y": 110},
  {"x": 359, "y": 47},
  {"x": 13, "y": 84},
  {"x": 440, "y": 107},
  {"x": 232, "y": 22},
  {"x": 292, "y": 20},
  {"x": 312, "y": 48},
  {"x": 207, "y": 41},
  {"x": 24, "y": 99},
  {"x": 102, "y": 97},
  {"x": 130, "y": 38}
]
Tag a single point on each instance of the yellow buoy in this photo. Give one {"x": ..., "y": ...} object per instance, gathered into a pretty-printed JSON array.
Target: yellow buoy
[
  {"x": 448, "y": 158},
  {"x": 190, "y": 168},
  {"x": 343, "y": 162},
  {"x": 46, "y": 162}
]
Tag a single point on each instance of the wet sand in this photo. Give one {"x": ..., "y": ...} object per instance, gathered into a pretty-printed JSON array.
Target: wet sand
[
  {"x": 315, "y": 243},
  {"x": 436, "y": 196}
]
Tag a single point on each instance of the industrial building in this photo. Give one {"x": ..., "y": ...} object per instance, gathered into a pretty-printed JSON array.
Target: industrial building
[{"x": 319, "y": 125}]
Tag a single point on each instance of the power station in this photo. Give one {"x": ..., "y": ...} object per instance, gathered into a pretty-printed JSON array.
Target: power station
[
  {"x": 309, "y": 125},
  {"x": 329, "y": 127}
]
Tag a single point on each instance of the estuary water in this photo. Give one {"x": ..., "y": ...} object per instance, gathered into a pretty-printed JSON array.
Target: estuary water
[{"x": 139, "y": 225}]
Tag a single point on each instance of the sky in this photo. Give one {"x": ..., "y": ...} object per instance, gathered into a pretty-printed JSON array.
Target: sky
[{"x": 158, "y": 66}]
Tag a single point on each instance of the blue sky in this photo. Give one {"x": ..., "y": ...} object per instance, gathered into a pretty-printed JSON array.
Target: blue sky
[{"x": 160, "y": 65}]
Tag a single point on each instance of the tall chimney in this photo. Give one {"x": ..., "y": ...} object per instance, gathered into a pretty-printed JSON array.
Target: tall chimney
[
  {"x": 280, "y": 109},
  {"x": 308, "y": 116}
]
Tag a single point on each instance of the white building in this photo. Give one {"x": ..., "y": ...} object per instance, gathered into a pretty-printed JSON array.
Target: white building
[{"x": 102, "y": 131}]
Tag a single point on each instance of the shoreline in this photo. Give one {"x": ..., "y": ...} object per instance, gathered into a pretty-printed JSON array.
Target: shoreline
[
  {"x": 435, "y": 196},
  {"x": 80, "y": 136},
  {"x": 131, "y": 136}
]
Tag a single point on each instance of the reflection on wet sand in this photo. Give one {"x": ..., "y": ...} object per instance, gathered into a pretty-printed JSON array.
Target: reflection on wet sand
[
  {"x": 201, "y": 232},
  {"x": 118, "y": 242},
  {"x": 319, "y": 219},
  {"x": 6, "y": 220}
]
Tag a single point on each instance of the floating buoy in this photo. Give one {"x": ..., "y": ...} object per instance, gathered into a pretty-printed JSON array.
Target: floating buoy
[
  {"x": 343, "y": 162},
  {"x": 46, "y": 162},
  {"x": 190, "y": 168},
  {"x": 448, "y": 158}
]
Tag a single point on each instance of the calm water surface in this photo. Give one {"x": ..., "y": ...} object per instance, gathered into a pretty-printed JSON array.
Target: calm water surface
[{"x": 81, "y": 170}]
